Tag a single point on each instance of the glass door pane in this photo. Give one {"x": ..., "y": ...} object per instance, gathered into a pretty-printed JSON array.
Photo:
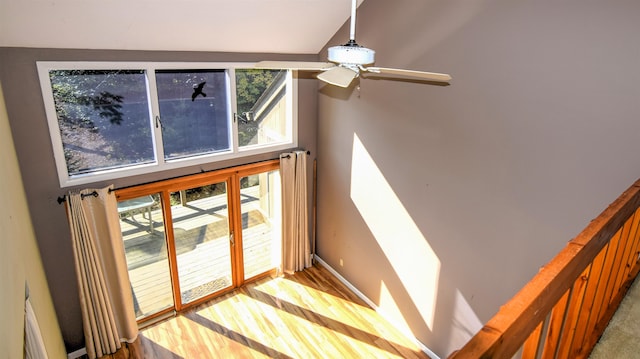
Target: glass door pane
[
  {"x": 201, "y": 234},
  {"x": 261, "y": 233},
  {"x": 145, "y": 246}
]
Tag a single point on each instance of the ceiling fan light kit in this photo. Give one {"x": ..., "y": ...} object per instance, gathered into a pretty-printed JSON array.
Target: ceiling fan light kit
[
  {"x": 351, "y": 54},
  {"x": 346, "y": 62}
]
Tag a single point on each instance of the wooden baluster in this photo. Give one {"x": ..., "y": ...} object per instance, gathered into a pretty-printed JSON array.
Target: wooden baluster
[
  {"x": 556, "y": 324},
  {"x": 573, "y": 314},
  {"x": 531, "y": 347},
  {"x": 589, "y": 297}
]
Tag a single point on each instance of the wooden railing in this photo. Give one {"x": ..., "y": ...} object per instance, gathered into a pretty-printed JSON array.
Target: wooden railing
[{"x": 563, "y": 310}]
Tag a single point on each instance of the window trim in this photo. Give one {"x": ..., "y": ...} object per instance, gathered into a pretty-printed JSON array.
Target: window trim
[{"x": 160, "y": 163}]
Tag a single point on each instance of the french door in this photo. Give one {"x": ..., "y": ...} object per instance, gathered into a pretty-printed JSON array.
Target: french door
[{"x": 190, "y": 239}]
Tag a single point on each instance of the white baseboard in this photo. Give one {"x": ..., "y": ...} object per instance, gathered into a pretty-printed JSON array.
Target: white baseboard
[
  {"x": 360, "y": 295},
  {"x": 77, "y": 354}
]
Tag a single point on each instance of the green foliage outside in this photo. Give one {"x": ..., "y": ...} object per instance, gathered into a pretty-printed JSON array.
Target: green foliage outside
[
  {"x": 92, "y": 108},
  {"x": 250, "y": 85}
]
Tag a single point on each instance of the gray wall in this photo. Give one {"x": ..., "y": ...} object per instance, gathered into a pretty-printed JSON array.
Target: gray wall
[
  {"x": 473, "y": 186},
  {"x": 28, "y": 123}
]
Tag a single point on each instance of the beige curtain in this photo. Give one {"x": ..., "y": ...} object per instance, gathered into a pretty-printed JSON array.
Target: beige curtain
[
  {"x": 296, "y": 252},
  {"x": 103, "y": 279}
]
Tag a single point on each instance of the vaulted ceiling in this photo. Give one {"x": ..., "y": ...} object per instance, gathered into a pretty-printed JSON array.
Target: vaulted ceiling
[{"x": 270, "y": 26}]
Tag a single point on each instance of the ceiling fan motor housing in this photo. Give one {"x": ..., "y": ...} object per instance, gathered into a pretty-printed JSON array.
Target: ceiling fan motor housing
[{"x": 351, "y": 55}]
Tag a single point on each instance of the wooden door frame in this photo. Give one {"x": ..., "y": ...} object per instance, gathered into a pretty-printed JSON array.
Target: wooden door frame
[{"x": 231, "y": 176}]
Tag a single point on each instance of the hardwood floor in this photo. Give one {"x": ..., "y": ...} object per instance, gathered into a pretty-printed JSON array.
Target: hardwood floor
[{"x": 308, "y": 315}]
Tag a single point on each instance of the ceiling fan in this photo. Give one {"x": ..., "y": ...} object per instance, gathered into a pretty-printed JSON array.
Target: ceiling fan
[{"x": 348, "y": 61}]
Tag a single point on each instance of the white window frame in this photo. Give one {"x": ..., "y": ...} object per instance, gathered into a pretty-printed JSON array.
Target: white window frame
[{"x": 161, "y": 164}]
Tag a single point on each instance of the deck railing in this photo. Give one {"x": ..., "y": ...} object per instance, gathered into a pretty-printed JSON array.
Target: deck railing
[{"x": 564, "y": 309}]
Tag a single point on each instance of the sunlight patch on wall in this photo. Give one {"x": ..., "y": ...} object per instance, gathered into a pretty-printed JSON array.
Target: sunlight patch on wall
[
  {"x": 404, "y": 245},
  {"x": 388, "y": 308}
]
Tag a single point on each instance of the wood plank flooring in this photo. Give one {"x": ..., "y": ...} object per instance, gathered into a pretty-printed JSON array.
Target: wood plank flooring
[{"x": 307, "y": 315}]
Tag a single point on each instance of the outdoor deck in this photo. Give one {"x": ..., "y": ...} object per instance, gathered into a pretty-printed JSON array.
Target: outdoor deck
[{"x": 201, "y": 232}]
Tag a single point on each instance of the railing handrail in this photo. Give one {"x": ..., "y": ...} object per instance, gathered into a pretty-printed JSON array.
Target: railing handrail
[{"x": 505, "y": 333}]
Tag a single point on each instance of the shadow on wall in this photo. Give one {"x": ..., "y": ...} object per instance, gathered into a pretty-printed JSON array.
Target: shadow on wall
[{"x": 403, "y": 244}]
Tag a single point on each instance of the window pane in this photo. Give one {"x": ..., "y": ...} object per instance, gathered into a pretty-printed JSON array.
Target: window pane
[
  {"x": 103, "y": 118},
  {"x": 261, "y": 234},
  {"x": 262, "y": 107},
  {"x": 145, "y": 246},
  {"x": 201, "y": 233},
  {"x": 193, "y": 111}
]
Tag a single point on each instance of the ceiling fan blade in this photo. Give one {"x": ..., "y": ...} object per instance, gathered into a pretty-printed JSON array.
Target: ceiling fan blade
[
  {"x": 431, "y": 76},
  {"x": 339, "y": 76},
  {"x": 295, "y": 65}
]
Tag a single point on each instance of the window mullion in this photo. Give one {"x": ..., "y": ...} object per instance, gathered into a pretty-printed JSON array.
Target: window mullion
[
  {"x": 171, "y": 248},
  {"x": 233, "y": 108},
  {"x": 156, "y": 120}
]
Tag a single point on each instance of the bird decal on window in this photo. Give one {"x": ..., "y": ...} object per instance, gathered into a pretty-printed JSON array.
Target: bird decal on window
[{"x": 197, "y": 90}]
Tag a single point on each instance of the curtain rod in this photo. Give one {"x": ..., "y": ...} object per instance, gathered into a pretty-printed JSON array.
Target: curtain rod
[
  {"x": 62, "y": 199},
  {"x": 82, "y": 196},
  {"x": 289, "y": 156}
]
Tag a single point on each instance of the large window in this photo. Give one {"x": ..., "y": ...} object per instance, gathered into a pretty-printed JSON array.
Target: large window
[{"x": 109, "y": 120}]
